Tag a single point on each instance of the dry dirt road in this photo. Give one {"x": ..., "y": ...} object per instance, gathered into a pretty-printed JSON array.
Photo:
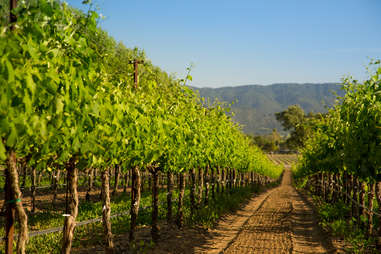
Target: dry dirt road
[{"x": 283, "y": 223}]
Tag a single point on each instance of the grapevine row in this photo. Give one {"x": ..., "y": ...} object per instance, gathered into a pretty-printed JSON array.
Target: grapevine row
[
  {"x": 68, "y": 103},
  {"x": 342, "y": 158}
]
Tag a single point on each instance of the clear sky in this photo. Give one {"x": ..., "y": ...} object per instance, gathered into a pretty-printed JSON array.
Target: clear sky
[{"x": 240, "y": 42}]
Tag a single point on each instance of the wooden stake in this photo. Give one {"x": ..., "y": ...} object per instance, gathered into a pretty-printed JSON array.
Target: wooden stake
[
  {"x": 12, "y": 17},
  {"x": 136, "y": 63}
]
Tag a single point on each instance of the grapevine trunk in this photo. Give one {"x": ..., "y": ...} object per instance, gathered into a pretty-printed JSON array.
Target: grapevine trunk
[
  {"x": 155, "y": 205},
  {"x": 135, "y": 201},
  {"x": 180, "y": 212},
  {"x": 69, "y": 224},
  {"x": 106, "y": 212},
  {"x": 169, "y": 197}
]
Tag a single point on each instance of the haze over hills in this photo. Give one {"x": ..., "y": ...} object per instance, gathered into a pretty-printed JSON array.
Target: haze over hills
[{"x": 254, "y": 105}]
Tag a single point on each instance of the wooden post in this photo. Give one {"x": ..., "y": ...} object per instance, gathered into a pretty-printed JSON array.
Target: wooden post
[
  {"x": 12, "y": 17},
  {"x": 136, "y": 77}
]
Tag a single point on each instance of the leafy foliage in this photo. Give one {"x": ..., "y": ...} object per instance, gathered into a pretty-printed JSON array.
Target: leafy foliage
[
  {"x": 269, "y": 143},
  {"x": 67, "y": 92},
  {"x": 348, "y": 138},
  {"x": 300, "y": 125},
  {"x": 333, "y": 218}
]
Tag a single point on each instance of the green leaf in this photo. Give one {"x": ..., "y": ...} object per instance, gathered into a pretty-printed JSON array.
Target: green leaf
[
  {"x": 3, "y": 152},
  {"x": 30, "y": 84},
  {"x": 27, "y": 103},
  {"x": 59, "y": 105},
  {"x": 4, "y": 126},
  {"x": 11, "y": 141},
  {"x": 11, "y": 72},
  {"x": 76, "y": 144}
]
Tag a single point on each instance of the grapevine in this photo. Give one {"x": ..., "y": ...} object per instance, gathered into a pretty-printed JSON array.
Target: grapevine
[{"x": 68, "y": 103}]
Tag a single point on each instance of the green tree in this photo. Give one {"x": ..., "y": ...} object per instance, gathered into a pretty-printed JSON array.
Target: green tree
[
  {"x": 300, "y": 125},
  {"x": 269, "y": 142}
]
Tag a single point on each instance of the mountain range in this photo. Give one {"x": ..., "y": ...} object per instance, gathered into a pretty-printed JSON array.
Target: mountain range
[{"x": 254, "y": 106}]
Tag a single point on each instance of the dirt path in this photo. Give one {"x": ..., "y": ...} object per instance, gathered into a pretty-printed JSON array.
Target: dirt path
[
  {"x": 284, "y": 223},
  {"x": 277, "y": 221}
]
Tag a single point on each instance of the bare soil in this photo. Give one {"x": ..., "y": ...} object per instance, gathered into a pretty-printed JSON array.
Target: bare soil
[{"x": 284, "y": 223}]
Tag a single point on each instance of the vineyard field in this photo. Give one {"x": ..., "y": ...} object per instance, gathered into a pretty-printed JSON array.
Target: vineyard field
[
  {"x": 101, "y": 151},
  {"x": 284, "y": 159},
  {"x": 82, "y": 115}
]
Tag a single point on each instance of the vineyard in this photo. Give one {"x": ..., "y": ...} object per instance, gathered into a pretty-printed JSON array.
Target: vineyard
[
  {"x": 100, "y": 150},
  {"x": 84, "y": 121},
  {"x": 341, "y": 162},
  {"x": 284, "y": 159}
]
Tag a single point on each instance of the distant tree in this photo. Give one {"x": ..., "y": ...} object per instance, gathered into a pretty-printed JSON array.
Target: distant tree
[
  {"x": 291, "y": 117},
  {"x": 276, "y": 137},
  {"x": 269, "y": 142},
  {"x": 294, "y": 120}
]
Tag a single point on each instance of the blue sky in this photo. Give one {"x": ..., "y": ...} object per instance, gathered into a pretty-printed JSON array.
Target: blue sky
[{"x": 239, "y": 42}]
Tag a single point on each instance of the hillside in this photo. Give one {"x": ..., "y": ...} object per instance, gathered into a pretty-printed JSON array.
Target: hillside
[{"x": 254, "y": 105}]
